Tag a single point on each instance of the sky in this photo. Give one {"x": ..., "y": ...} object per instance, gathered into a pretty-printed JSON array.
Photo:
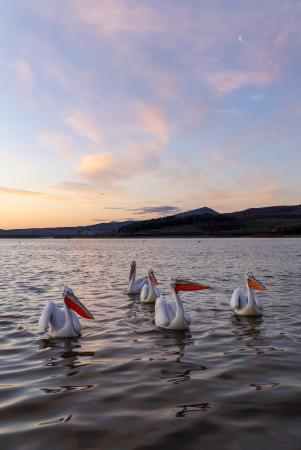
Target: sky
[{"x": 134, "y": 109}]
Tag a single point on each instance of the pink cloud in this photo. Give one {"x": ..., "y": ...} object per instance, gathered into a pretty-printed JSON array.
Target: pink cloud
[
  {"x": 26, "y": 193},
  {"x": 257, "y": 97},
  {"x": 85, "y": 125},
  {"x": 145, "y": 139},
  {"x": 56, "y": 141},
  {"x": 243, "y": 193},
  {"x": 216, "y": 156},
  {"x": 25, "y": 73},
  {"x": 163, "y": 82},
  {"x": 105, "y": 18},
  {"x": 14, "y": 191},
  {"x": 154, "y": 123},
  {"x": 203, "y": 33},
  {"x": 103, "y": 168},
  {"x": 225, "y": 82},
  {"x": 75, "y": 186}
]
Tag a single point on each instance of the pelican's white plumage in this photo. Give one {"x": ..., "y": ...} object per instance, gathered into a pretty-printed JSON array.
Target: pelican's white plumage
[
  {"x": 63, "y": 321},
  {"x": 248, "y": 305},
  {"x": 170, "y": 314},
  {"x": 135, "y": 285},
  {"x": 150, "y": 291}
]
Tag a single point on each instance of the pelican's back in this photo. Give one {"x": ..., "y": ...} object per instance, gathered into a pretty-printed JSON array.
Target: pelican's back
[
  {"x": 162, "y": 316},
  {"x": 144, "y": 292},
  {"x": 52, "y": 315},
  {"x": 238, "y": 299}
]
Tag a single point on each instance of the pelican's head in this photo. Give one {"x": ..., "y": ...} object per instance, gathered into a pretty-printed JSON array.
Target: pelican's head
[
  {"x": 74, "y": 303},
  {"x": 253, "y": 283},
  {"x": 133, "y": 270},
  {"x": 181, "y": 284},
  {"x": 152, "y": 277}
]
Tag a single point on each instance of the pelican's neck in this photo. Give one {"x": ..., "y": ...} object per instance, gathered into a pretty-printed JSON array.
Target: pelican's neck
[
  {"x": 251, "y": 296},
  {"x": 180, "y": 307},
  {"x": 68, "y": 313},
  {"x": 151, "y": 287},
  {"x": 133, "y": 278}
]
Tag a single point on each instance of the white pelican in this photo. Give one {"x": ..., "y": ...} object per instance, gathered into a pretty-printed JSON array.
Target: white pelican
[
  {"x": 248, "y": 305},
  {"x": 135, "y": 286},
  {"x": 170, "y": 314},
  {"x": 149, "y": 291},
  {"x": 63, "y": 321}
]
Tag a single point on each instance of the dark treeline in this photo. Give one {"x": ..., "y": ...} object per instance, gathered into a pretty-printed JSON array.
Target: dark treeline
[
  {"x": 205, "y": 223},
  {"x": 274, "y": 221}
]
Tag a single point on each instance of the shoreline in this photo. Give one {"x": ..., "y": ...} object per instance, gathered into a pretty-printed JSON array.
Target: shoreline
[{"x": 154, "y": 237}]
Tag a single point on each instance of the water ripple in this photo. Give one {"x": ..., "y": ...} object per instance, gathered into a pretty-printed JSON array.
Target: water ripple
[{"x": 228, "y": 383}]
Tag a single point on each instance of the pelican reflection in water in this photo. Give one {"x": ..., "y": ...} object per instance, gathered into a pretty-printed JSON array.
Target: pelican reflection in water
[{"x": 65, "y": 353}]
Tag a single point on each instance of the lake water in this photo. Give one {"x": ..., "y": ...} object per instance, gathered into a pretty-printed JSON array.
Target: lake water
[{"x": 227, "y": 384}]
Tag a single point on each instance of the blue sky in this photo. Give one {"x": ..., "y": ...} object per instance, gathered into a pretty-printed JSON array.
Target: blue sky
[{"x": 109, "y": 108}]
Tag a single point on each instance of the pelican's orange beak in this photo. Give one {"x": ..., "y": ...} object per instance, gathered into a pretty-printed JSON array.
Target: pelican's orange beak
[
  {"x": 185, "y": 285},
  {"x": 253, "y": 283},
  {"x": 74, "y": 303}
]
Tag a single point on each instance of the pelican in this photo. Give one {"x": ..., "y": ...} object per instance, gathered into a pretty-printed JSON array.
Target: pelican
[
  {"x": 63, "y": 321},
  {"x": 170, "y": 314},
  {"x": 149, "y": 291},
  {"x": 248, "y": 305},
  {"x": 135, "y": 286}
]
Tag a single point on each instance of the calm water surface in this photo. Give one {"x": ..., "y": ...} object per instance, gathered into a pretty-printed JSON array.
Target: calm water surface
[{"x": 227, "y": 383}]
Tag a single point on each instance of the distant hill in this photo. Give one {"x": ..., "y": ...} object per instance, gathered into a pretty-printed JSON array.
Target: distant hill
[
  {"x": 270, "y": 211},
  {"x": 267, "y": 221},
  {"x": 197, "y": 212},
  {"x": 100, "y": 229}
]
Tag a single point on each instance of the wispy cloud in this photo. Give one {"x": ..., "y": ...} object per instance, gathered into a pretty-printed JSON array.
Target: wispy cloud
[
  {"x": 14, "y": 191},
  {"x": 24, "y": 71},
  {"x": 229, "y": 111},
  {"x": 220, "y": 158},
  {"x": 74, "y": 186},
  {"x": 85, "y": 125},
  {"x": 225, "y": 82},
  {"x": 203, "y": 33},
  {"x": 104, "y": 168},
  {"x": 147, "y": 135},
  {"x": 25, "y": 193},
  {"x": 154, "y": 122},
  {"x": 109, "y": 17},
  {"x": 241, "y": 194},
  {"x": 56, "y": 141},
  {"x": 257, "y": 97},
  {"x": 163, "y": 210}
]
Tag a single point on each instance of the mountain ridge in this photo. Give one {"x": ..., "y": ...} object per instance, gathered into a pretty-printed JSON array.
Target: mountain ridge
[{"x": 266, "y": 221}]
